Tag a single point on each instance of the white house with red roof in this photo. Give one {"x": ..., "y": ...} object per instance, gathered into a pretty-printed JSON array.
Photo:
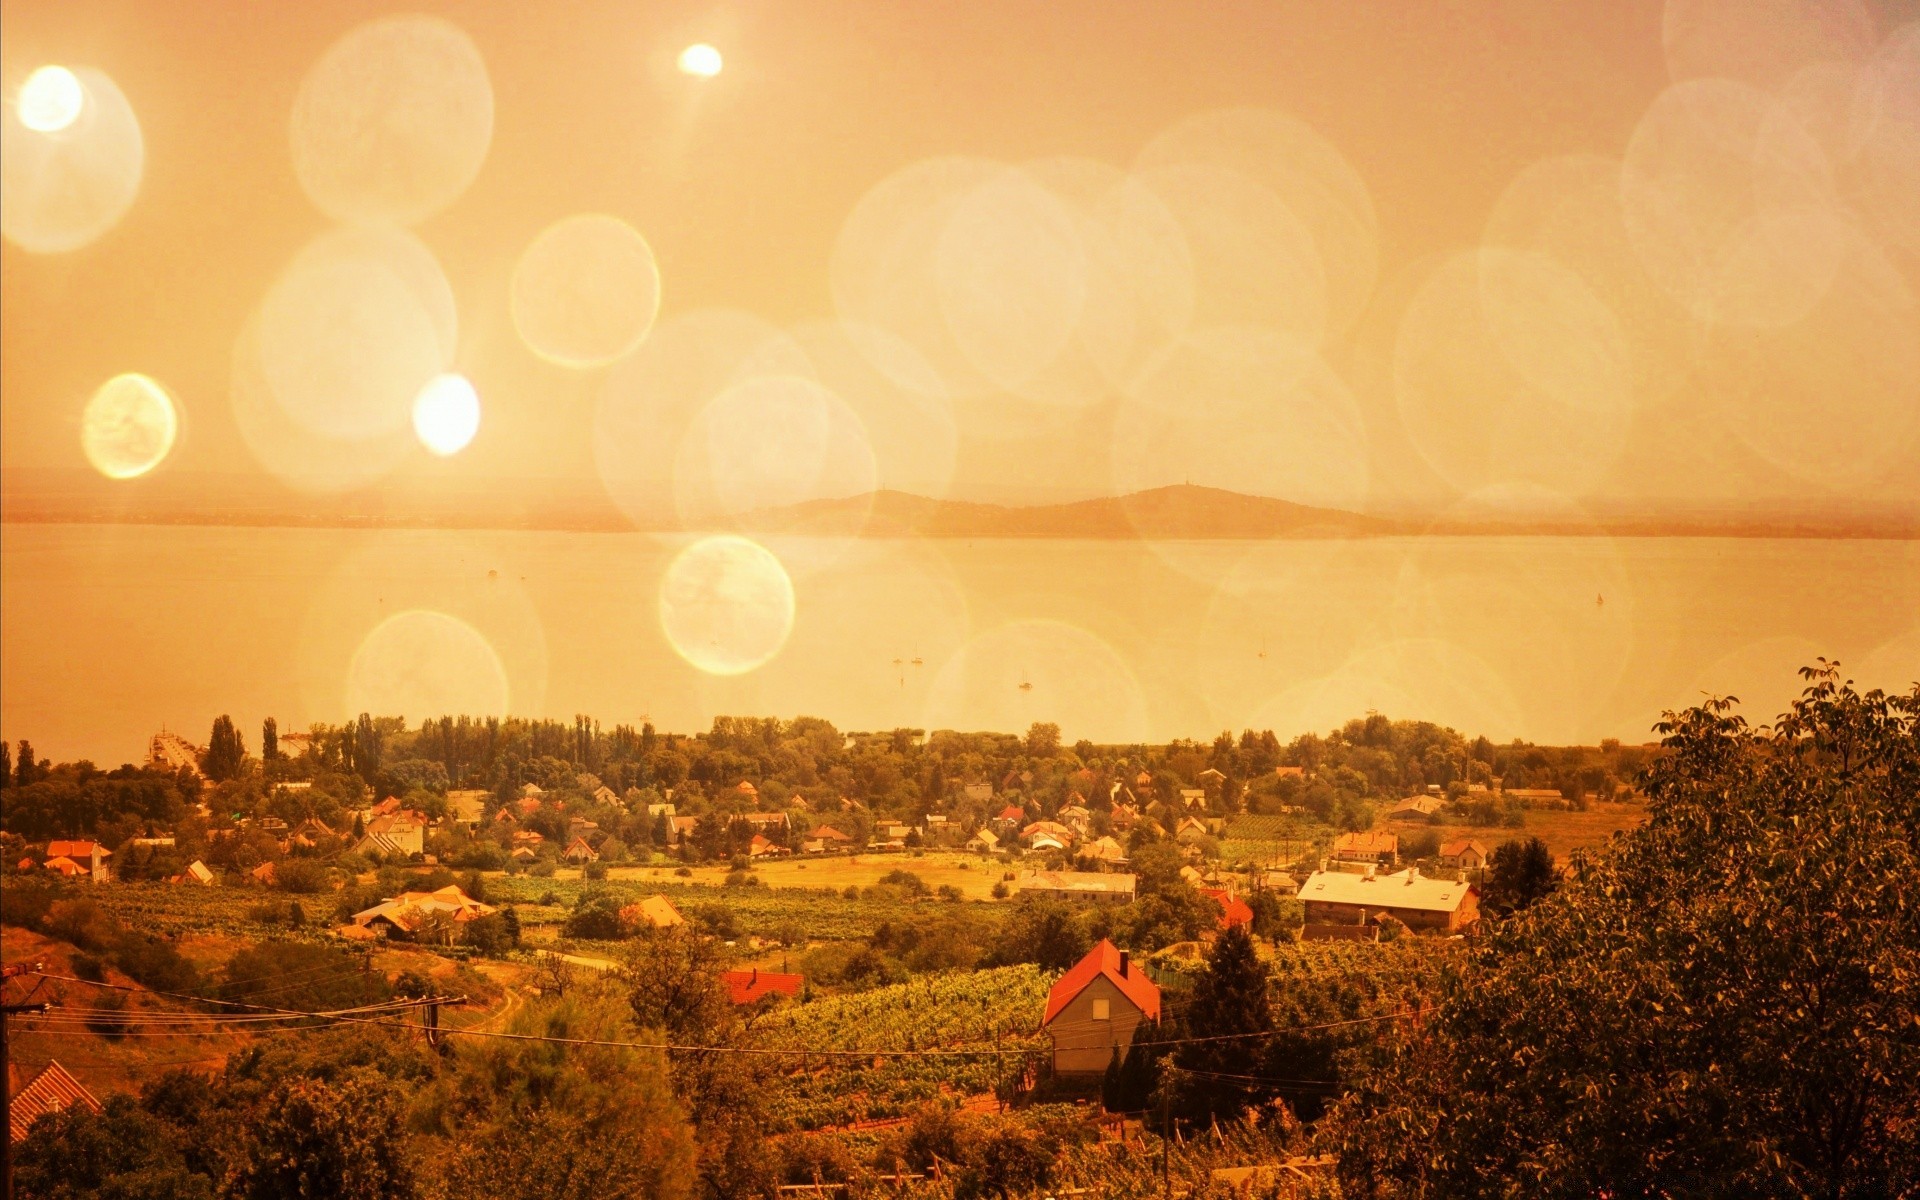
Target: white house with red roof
[
  {"x": 1095, "y": 1008},
  {"x": 51, "y": 1091}
]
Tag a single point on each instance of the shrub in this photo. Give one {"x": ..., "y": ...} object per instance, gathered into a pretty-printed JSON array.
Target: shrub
[
  {"x": 302, "y": 876},
  {"x": 1000, "y": 891},
  {"x": 86, "y": 966},
  {"x": 594, "y": 870}
]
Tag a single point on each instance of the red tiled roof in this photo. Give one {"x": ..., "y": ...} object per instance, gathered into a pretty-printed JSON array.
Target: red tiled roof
[
  {"x": 744, "y": 987},
  {"x": 52, "y": 1090},
  {"x": 1233, "y": 910},
  {"x": 74, "y": 849},
  {"x": 1104, "y": 959},
  {"x": 1011, "y": 813}
]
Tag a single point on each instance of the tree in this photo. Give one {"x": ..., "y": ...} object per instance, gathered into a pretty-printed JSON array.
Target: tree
[
  {"x": 269, "y": 740},
  {"x": 122, "y": 1151},
  {"x": 314, "y": 1138},
  {"x": 674, "y": 985},
  {"x": 1518, "y": 873},
  {"x": 1043, "y": 739},
  {"x": 1212, "y": 1079},
  {"x": 6, "y": 765},
  {"x": 226, "y": 754},
  {"x": 23, "y": 768},
  {"x": 1728, "y": 994},
  {"x": 1047, "y": 933}
]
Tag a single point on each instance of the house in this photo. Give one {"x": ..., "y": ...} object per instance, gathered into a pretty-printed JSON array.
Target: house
[
  {"x": 196, "y": 872},
  {"x": 505, "y": 818},
  {"x": 1193, "y": 798},
  {"x": 467, "y": 806},
  {"x": 1212, "y": 778},
  {"x": 156, "y": 842},
  {"x": 1467, "y": 854},
  {"x": 528, "y": 806},
  {"x": 404, "y": 829},
  {"x": 263, "y": 874},
  {"x": 1233, "y": 910},
  {"x": 1008, "y": 819},
  {"x": 1279, "y": 883},
  {"x": 746, "y": 788},
  {"x": 1335, "y": 898},
  {"x": 1191, "y": 827},
  {"x": 986, "y": 841},
  {"x": 655, "y": 911},
  {"x": 1094, "y": 1009},
  {"x": 1289, "y": 772},
  {"x": 1416, "y": 808},
  {"x": 1102, "y": 887},
  {"x": 410, "y": 912},
  {"x": 578, "y": 851},
  {"x": 763, "y": 846},
  {"x": 1053, "y": 829},
  {"x": 530, "y": 838},
  {"x": 753, "y": 985},
  {"x": 65, "y": 866},
  {"x": 980, "y": 793},
  {"x": 763, "y": 822},
  {"x": 825, "y": 838},
  {"x": 533, "y": 792},
  {"x": 1076, "y": 818},
  {"x": 681, "y": 829},
  {"x": 89, "y": 856},
  {"x": 1371, "y": 846},
  {"x": 1537, "y": 797},
  {"x": 662, "y": 809},
  {"x": 890, "y": 831},
  {"x": 1123, "y": 817},
  {"x": 1106, "y": 851},
  {"x": 311, "y": 833},
  {"x": 605, "y": 795},
  {"x": 523, "y": 854},
  {"x": 382, "y": 845},
  {"x": 580, "y": 827},
  {"x": 1044, "y": 842},
  {"x": 51, "y": 1091}
]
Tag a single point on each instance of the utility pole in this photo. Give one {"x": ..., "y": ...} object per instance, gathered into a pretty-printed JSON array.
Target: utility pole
[{"x": 6, "y": 1064}]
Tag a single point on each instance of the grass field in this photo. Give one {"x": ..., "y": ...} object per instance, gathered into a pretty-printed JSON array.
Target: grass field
[
  {"x": 973, "y": 875},
  {"x": 1563, "y": 832}
]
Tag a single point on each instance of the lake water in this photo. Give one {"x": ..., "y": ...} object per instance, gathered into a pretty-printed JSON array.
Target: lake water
[{"x": 110, "y": 632}]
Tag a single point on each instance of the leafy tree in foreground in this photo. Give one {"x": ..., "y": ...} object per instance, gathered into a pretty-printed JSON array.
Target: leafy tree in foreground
[
  {"x": 1213, "y": 1079},
  {"x": 1726, "y": 1001},
  {"x": 1518, "y": 873},
  {"x": 317, "y": 1139}
]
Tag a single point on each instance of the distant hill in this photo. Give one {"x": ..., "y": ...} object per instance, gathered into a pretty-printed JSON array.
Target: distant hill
[
  {"x": 1180, "y": 511},
  {"x": 1183, "y": 511}
]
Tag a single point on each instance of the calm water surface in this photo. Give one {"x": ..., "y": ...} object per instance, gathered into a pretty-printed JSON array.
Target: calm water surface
[{"x": 109, "y": 632}]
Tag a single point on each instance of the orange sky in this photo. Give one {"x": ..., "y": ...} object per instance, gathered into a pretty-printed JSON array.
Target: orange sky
[{"x": 742, "y": 183}]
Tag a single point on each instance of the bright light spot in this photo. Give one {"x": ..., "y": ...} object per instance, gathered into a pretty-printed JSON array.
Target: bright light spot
[
  {"x": 129, "y": 426},
  {"x": 393, "y": 122},
  {"x": 726, "y": 605},
  {"x": 446, "y": 414},
  {"x": 51, "y": 99},
  {"x": 420, "y": 663},
  {"x": 586, "y": 291},
  {"x": 700, "y": 59},
  {"x": 60, "y": 193}
]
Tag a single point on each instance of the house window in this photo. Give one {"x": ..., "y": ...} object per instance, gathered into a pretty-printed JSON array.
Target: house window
[{"x": 1101, "y": 1010}]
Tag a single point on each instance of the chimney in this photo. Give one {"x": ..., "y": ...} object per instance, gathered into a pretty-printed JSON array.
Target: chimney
[{"x": 1126, "y": 960}]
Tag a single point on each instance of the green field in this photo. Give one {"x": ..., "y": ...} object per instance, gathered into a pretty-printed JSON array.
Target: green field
[{"x": 972, "y": 874}]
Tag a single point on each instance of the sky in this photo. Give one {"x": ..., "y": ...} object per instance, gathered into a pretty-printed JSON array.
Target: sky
[{"x": 1372, "y": 256}]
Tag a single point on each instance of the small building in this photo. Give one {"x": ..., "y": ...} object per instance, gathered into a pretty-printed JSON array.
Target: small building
[
  {"x": 409, "y": 912},
  {"x": 745, "y": 788},
  {"x": 763, "y": 846},
  {"x": 196, "y": 872},
  {"x": 1416, "y": 808},
  {"x": 656, "y": 912},
  {"x": 64, "y": 866},
  {"x": 1433, "y": 905},
  {"x": 1193, "y": 799},
  {"x": 1105, "y": 887},
  {"x": 264, "y": 874},
  {"x": 766, "y": 822},
  {"x": 578, "y": 851},
  {"x": 1233, "y": 910},
  {"x": 1008, "y": 819},
  {"x": 1106, "y": 851},
  {"x": 90, "y": 856},
  {"x": 1466, "y": 854},
  {"x": 1044, "y": 842},
  {"x": 1076, "y": 818},
  {"x": 1094, "y": 1009},
  {"x": 986, "y": 841},
  {"x": 979, "y": 793},
  {"x": 605, "y": 795},
  {"x": 1053, "y": 829},
  {"x": 680, "y": 829},
  {"x": 53, "y": 1090},
  {"x": 753, "y": 985},
  {"x": 467, "y": 806},
  {"x": 1369, "y": 846},
  {"x": 523, "y": 854}
]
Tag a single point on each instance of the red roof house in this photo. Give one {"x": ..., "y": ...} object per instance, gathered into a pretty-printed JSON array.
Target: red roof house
[
  {"x": 749, "y": 986},
  {"x": 1233, "y": 910},
  {"x": 52, "y": 1090},
  {"x": 1093, "y": 1010}
]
